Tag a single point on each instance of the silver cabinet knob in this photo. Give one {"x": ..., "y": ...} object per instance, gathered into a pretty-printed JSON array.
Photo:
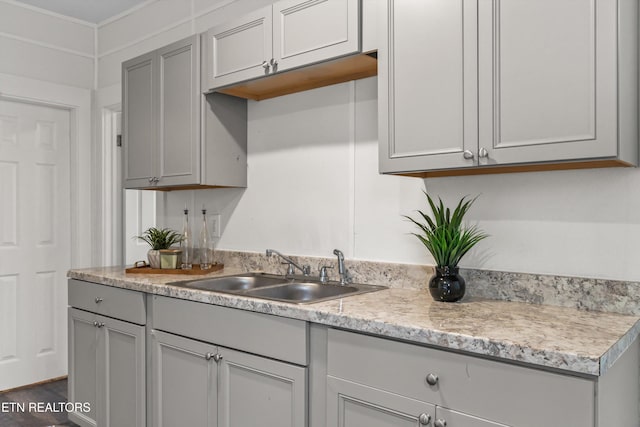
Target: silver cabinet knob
[
  {"x": 151, "y": 180},
  {"x": 98, "y": 300},
  {"x": 274, "y": 64},
  {"x": 424, "y": 419},
  {"x": 156, "y": 179},
  {"x": 440, "y": 423},
  {"x": 483, "y": 153},
  {"x": 217, "y": 357},
  {"x": 98, "y": 324},
  {"x": 266, "y": 66},
  {"x": 209, "y": 356},
  {"x": 467, "y": 154},
  {"x": 432, "y": 379}
]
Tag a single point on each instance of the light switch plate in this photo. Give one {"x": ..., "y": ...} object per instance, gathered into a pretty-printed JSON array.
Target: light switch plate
[{"x": 214, "y": 221}]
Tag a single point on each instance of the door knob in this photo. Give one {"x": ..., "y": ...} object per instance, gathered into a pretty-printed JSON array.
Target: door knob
[
  {"x": 483, "y": 153},
  {"x": 98, "y": 300},
  {"x": 467, "y": 154},
  {"x": 217, "y": 357},
  {"x": 209, "y": 356},
  {"x": 440, "y": 423}
]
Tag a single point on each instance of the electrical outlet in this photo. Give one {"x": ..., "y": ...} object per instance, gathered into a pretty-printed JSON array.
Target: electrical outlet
[{"x": 214, "y": 221}]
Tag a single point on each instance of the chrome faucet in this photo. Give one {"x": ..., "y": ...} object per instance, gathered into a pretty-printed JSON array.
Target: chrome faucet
[
  {"x": 345, "y": 278},
  {"x": 305, "y": 269}
]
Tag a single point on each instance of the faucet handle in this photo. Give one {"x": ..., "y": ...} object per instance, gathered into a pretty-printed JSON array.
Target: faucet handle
[
  {"x": 306, "y": 270},
  {"x": 324, "y": 277},
  {"x": 290, "y": 269}
]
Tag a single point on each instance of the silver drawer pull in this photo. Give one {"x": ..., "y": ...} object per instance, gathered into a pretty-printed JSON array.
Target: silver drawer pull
[
  {"x": 98, "y": 324},
  {"x": 98, "y": 300},
  {"x": 432, "y": 379},
  {"x": 424, "y": 419}
]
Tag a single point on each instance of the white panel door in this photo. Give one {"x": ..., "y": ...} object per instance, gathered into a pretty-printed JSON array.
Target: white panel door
[{"x": 34, "y": 242}]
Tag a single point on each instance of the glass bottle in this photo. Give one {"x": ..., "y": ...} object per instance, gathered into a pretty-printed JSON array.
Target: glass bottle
[
  {"x": 187, "y": 243},
  {"x": 206, "y": 249}
]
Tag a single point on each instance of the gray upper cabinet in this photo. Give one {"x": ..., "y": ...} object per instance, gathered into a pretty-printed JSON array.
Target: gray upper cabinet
[
  {"x": 173, "y": 136},
  {"x": 139, "y": 116},
  {"x": 239, "y": 48},
  {"x": 287, "y": 35},
  {"x": 489, "y": 84}
]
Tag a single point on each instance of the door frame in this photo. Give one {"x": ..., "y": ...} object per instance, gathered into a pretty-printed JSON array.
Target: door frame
[{"x": 78, "y": 102}]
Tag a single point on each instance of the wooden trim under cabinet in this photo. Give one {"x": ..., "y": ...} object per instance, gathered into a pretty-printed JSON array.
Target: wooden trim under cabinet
[
  {"x": 485, "y": 170},
  {"x": 319, "y": 75}
]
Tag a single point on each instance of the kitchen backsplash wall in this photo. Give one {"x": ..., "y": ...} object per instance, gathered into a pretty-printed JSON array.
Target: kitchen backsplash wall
[{"x": 581, "y": 293}]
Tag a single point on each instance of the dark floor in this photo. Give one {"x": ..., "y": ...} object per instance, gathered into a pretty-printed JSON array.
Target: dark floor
[{"x": 55, "y": 393}]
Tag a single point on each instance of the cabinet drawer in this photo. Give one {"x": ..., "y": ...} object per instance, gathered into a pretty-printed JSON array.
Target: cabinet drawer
[
  {"x": 271, "y": 336},
  {"x": 119, "y": 303},
  {"x": 489, "y": 389}
]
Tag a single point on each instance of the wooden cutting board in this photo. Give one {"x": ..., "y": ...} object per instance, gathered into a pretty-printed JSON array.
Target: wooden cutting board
[{"x": 196, "y": 270}]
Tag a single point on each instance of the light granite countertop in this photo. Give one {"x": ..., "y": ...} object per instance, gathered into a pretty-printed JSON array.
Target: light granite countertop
[{"x": 568, "y": 339}]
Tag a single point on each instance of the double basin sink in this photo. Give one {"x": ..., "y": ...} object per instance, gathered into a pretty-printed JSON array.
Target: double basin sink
[{"x": 297, "y": 290}]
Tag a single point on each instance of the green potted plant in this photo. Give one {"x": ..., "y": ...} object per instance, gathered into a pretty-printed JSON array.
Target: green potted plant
[
  {"x": 161, "y": 240},
  {"x": 448, "y": 240}
]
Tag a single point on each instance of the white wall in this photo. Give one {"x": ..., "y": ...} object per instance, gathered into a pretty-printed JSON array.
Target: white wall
[
  {"x": 314, "y": 185},
  {"x": 44, "y": 46}
]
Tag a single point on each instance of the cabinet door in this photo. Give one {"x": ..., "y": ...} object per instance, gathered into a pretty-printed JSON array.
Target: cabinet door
[
  {"x": 121, "y": 377},
  {"x": 255, "y": 389},
  {"x": 183, "y": 384},
  {"x": 451, "y": 418},
  {"x": 351, "y": 404},
  {"x": 139, "y": 117},
  {"x": 311, "y": 31},
  {"x": 83, "y": 365},
  {"x": 179, "y": 113},
  {"x": 238, "y": 49},
  {"x": 427, "y": 85},
  {"x": 547, "y": 80}
]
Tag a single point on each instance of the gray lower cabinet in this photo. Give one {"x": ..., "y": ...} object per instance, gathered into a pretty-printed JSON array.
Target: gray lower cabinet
[
  {"x": 253, "y": 388},
  {"x": 355, "y": 405},
  {"x": 195, "y": 382},
  {"x": 106, "y": 370},
  {"x": 350, "y": 404},
  {"x": 200, "y": 384},
  {"x": 184, "y": 378},
  {"x": 107, "y": 355},
  {"x": 396, "y": 383}
]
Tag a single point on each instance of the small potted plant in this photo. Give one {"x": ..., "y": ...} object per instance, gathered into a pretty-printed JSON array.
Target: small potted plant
[
  {"x": 161, "y": 240},
  {"x": 448, "y": 240}
]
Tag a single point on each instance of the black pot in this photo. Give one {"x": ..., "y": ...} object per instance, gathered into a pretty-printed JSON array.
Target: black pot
[{"x": 447, "y": 285}]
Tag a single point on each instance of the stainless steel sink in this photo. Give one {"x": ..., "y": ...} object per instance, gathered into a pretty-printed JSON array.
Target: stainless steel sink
[
  {"x": 278, "y": 288},
  {"x": 241, "y": 282}
]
